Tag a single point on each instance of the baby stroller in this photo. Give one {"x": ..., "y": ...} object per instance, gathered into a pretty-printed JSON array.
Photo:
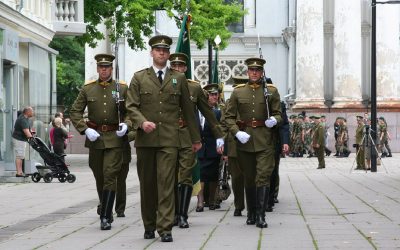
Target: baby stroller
[{"x": 54, "y": 165}]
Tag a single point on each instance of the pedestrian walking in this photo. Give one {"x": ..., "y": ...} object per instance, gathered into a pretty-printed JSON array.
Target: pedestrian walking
[{"x": 318, "y": 142}]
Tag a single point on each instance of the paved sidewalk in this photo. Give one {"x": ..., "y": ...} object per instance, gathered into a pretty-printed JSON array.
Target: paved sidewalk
[{"x": 333, "y": 208}]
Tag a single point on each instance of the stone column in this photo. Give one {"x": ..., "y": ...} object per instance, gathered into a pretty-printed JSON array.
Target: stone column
[
  {"x": 347, "y": 54},
  {"x": 309, "y": 55},
  {"x": 387, "y": 54},
  {"x": 250, "y": 18}
]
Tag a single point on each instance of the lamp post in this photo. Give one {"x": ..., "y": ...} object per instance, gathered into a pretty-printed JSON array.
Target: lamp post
[{"x": 373, "y": 77}]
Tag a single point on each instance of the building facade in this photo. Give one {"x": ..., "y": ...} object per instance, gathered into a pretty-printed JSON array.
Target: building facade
[
  {"x": 28, "y": 65},
  {"x": 317, "y": 53}
]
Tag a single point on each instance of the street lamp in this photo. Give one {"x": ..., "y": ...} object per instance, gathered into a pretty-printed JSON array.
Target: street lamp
[{"x": 373, "y": 76}]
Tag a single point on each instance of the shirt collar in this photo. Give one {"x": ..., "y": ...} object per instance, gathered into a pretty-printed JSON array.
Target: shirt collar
[{"x": 157, "y": 69}]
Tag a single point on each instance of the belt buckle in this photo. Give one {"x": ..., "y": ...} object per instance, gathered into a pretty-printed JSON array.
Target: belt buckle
[
  {"x": 104, "y": 128},
  {"x": 254, "y": 124}
]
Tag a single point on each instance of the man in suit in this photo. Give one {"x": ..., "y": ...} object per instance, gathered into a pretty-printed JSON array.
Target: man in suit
[
  {"x": 186, "y": 156},
  {"x": 155, "y": 97},
  {"x": 105, "y": 133},
  {"x": 259, "y": 109}
]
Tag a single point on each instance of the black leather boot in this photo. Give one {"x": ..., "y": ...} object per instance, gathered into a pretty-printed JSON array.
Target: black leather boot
[
  {"x": 262, "y": 201},
  {"x": 107, "y": 203},
  {"x": 251, "y": 205},
  {"x": 185, "y": 193}
]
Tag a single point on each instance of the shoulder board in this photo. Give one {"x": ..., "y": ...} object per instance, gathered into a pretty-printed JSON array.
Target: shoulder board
[
  {"x": 193, "y": 81},
  {"x": 271, "y": 85},
  {"x": 142, "y": 70},
  {"x": 240, "y": 85},
  {"x": 122, "y": 82},
  {"x": 89, "y": 82}
]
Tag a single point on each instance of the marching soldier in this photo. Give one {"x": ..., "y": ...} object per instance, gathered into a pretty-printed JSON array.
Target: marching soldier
[
  {"x": 105, "y": 134},
  {"x": 318, "y": 142},
  {"x": 155, "y": 97},
  {"x": 258, "y": 112},
  {"x": 186, "y": 156},
  {"x": 360, "y": 153},
  {"x": 233, "y": 163}
]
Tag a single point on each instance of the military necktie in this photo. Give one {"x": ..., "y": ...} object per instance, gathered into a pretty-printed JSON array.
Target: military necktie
[{"x": 160, "y": 73}]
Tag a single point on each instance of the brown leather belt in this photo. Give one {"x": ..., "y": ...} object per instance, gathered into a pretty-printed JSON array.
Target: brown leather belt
[
  {"x": 182, "y": 123},
  {"x": 253, "y": 124},
  {"x": 103, "y": 127}
]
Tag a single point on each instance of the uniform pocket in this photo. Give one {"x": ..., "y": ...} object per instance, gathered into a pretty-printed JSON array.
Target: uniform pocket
[
  {"x": 145, "y": 96},
  {"x": 92, "y": 103},
  {"x": 244, "y": 105},
  {"x": 174, "y": 98}
]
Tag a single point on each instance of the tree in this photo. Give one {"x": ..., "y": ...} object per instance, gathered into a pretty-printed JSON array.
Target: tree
[
  {"x": 70, "y": 70},
  {"x": 136, "y": 19}
]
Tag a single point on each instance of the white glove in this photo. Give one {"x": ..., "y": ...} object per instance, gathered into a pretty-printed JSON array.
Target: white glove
[
  {"x": 91, "y": 134},
  {"x": 270, "y": 122},
  {"x": 220, "y": 142},
  {"x": 123, "y": 129},
  {"x": 243, "y": 137}
]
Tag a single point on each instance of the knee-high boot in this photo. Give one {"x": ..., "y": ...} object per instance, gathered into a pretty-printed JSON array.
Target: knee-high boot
[
  {"x": 251, "y": 205},
  {"x": 262, "y": 201},
  {"x": 185, "y": 193},
  {"x": 107, "y": 203}
]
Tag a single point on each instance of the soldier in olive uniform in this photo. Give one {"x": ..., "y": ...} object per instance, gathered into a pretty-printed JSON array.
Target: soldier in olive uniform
[
  {"x": 155, "y": 97},
  {"x": 360, "y": 154},
  {"x": 233, "y": 163},
  {"x": 105, "y": 134},
  {"x": 186, "y": 156},
  {"x": 318, "y": 142},
  {"x": 259, "y": 109}
]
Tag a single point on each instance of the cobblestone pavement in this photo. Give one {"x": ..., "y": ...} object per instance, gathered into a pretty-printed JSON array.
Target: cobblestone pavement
[{"x": 333, "y": 208}]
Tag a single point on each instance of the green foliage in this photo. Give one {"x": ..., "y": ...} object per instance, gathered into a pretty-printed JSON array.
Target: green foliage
[
  {"x": 211, "y": 18},
  {"x": 70, "y": 70},
  {"x": 135, "y": 19}
]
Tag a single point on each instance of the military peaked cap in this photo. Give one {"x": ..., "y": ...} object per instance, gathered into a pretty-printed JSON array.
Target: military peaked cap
[
  {"x": 178, "y": 58},
  {"x": 255, "y": 62},
  {"x": 211, "y": 88},
  {"x": 104, "y": 59},
  {"x": 317, "y": 117},
  {"x": 359, "y": 117},
  {"x": 239, "y": 80},
  {"x": 160, "y": 41}
]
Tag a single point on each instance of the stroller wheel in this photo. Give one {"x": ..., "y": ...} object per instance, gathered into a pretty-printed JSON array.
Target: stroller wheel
[
  {"x": 36, "y": 177},
  {"x": 48, "y": 178},
  {"x": 62, "y": 177},
  {"x": 71, "y": 178}
]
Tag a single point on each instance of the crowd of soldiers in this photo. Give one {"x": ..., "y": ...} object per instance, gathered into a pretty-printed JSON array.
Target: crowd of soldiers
[
  {"x": 176, "y": 125},
  {"x": 302, "y": 127}
]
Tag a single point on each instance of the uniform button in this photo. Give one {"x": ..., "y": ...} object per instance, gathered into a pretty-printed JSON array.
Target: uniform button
[
  {"x": 105, "y": 111},
  {"x": 253, "y": 96},
  {"x": 160, "y": 112},
  {"x": 254, "y": 118},
  {"x": 160, "y": 92},
  {"x": 253, "y": 103},
  {"x": 159, "y": 123},
  {"x": 160, "y": 102},
  {"x": 105, "y": 103},
  {"x": 253, "y": 110},
  {"x": 105, "y": 96}
]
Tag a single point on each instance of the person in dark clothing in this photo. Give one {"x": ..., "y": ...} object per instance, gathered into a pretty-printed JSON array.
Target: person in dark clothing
[
  {"x": 21, "y": 134},
  {"x": 208, "y": 156}
]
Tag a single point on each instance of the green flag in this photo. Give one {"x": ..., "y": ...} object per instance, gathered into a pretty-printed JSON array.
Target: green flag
[{"x": 183, "y": 45}]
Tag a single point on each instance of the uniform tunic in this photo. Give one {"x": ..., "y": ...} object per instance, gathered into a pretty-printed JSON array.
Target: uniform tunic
[
  {"x": 160, "y": 103},
  {"x": 186, "y": 156},
  {"x": 105, "y": 153},
  {"x": 256, "y": 157},
  {"x": 318, "y": 142},
  {"x": 360, "y": 158}
]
